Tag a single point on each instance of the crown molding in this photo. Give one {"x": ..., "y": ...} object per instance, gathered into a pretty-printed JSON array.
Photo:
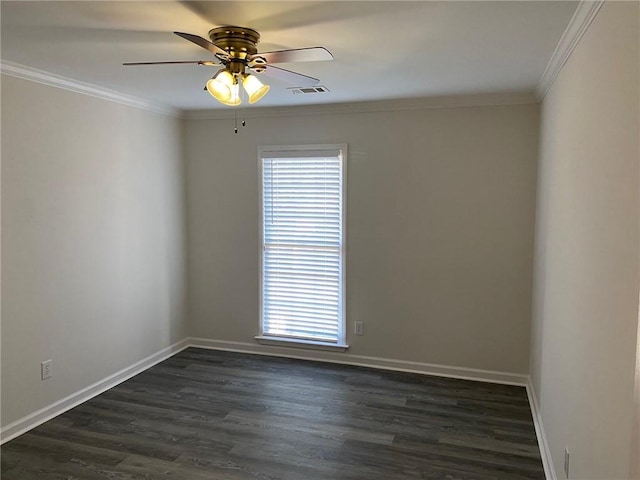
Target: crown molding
[
  {"x": 456, "y": 101},
  {"x": 40, "y": 76},
  {"x": 585, "y": 12}
]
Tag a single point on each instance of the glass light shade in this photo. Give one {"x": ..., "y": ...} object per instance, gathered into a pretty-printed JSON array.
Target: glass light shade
[
  {"x": 255, "y": 89},
  {"x": 220, "y": 86},
  {"x": 234, "y": 98}
]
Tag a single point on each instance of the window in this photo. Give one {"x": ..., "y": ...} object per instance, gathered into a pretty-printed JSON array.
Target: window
[{"x": 303, "y": 252}]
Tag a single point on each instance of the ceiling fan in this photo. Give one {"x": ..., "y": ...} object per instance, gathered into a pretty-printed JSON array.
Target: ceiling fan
[{"x": 235, "y": 49}]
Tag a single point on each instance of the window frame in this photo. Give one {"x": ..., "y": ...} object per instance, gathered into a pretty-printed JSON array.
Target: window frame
[{"x": 267, "y": 339}]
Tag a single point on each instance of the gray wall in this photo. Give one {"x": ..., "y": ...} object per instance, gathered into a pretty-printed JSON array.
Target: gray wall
[
  {"x": 440, "y": 215},
  {"x": 93, "y": 237},
  {"x": 586, "y": 262}
]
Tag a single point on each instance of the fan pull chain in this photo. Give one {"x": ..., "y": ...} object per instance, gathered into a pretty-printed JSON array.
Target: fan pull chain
[
  {"x": 243, "y": 93},
  {"x": 235, "y": 117},
  {"x": 235, "y": 112}
]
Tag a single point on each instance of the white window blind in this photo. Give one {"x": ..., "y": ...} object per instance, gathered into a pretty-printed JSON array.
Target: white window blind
[{"x": 302, "y": 243}]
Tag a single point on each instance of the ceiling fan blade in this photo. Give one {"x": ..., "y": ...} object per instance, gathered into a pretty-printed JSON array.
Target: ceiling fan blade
[
  {"x": 196, "y": 62},
  {"x": 206, "y": 44},
  {"x": 310, "y": 54},
  {"x": 289, "y": 77}
]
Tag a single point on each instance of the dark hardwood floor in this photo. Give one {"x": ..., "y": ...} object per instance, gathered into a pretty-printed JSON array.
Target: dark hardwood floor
[{"x": 205, "y": 414}]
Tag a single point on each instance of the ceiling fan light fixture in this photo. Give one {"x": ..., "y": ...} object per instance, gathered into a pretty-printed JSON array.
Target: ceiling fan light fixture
[
  {"x": 255, "y": 88},
  {"x": 236, "y": 49},
  {"x": 220, "y": 86},
  {"x": 234, "y": 98}
]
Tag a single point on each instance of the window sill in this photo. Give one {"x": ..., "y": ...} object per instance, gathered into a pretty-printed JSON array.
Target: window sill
[{"x": 297, "y": 343}]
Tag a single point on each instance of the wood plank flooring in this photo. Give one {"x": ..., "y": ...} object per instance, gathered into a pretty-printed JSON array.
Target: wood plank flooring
[{"x": 205, "y": 414}]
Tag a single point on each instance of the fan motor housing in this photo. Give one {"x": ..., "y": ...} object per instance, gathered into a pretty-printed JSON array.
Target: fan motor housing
[{"x": 239, "y": 42}]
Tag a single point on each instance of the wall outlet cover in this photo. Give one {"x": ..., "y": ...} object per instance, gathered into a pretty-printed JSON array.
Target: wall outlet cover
[{"x": 46, "y": 369}]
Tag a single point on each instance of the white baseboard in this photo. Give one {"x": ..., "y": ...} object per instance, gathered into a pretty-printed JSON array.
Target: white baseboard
[
  {"x": 38, "y": 417},
  {"x": 364, "y": 361},
  {"x": 543, "y": 444}
]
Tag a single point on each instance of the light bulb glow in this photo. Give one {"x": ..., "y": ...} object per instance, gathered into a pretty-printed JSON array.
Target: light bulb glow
[
  {"x": 234, "y": 97},
  {"x": 220, "y": 86},
  {"x": 254, "y": 88}
]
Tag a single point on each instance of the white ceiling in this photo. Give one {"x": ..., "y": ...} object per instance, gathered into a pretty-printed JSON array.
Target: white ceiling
[{"x": 382, "y": 50}]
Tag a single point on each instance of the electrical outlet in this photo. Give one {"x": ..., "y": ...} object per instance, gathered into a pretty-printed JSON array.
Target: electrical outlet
[
  {"x": 359, "y": 328},
  {"x": 46, "y": 369},
  {"x": 566, "y": 462}
]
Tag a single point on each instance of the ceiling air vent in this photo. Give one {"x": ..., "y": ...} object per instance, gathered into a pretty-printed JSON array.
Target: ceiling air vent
[{"x": 306, "y": 90}]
